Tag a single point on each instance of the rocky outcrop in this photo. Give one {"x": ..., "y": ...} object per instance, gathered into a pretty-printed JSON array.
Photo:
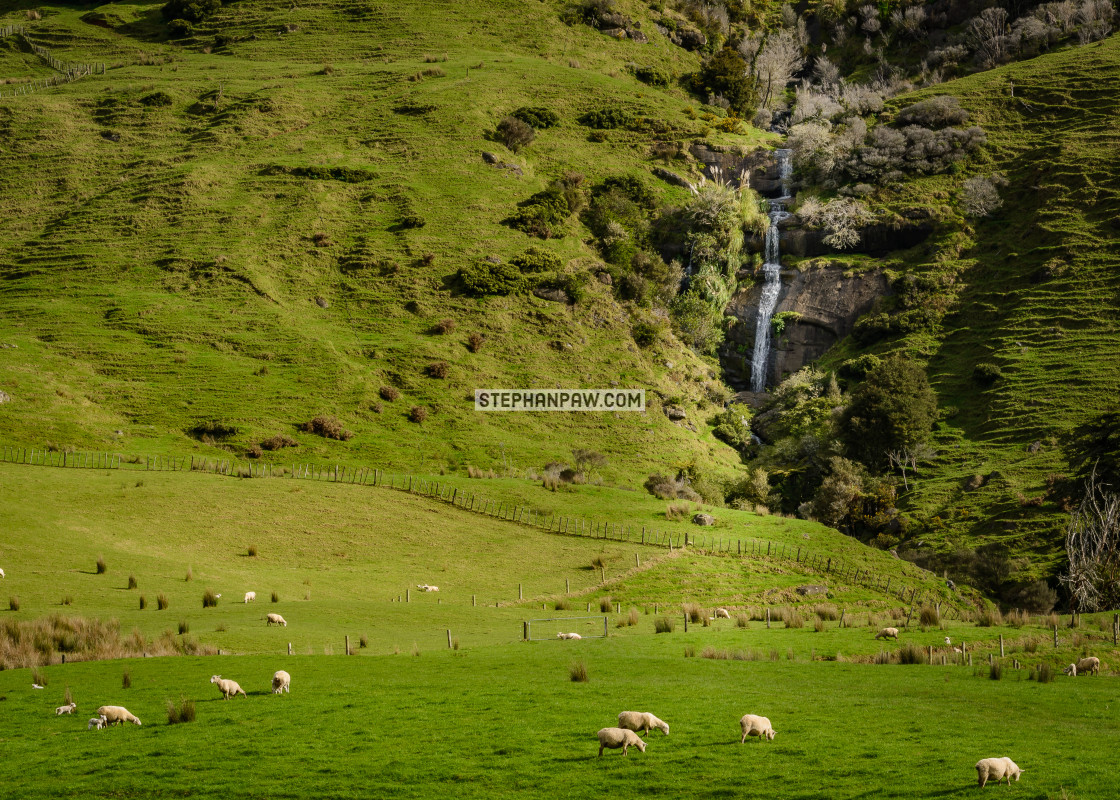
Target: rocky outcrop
[
  {"x": 827, "y": 304},
  {"x": 733, "y": 161}
]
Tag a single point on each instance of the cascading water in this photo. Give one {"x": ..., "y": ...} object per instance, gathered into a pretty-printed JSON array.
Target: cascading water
[{"x": 771, "y": 269}]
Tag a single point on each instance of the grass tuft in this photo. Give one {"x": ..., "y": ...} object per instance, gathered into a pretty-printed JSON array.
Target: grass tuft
[
  {"x": 162, "y": 602},
  {"x": 101, "y": 568},
  {"x": 209, "y": 599},
  {"x": 132, "y": 582},
  {"x": 577, "y": 672}
]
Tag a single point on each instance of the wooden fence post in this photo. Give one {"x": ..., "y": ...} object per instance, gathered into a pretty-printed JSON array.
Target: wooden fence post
[
  {"x": 449, "y": 638},
  {"x": 767, "y": 618},
  {"x": 347, "y": 644},
  {"x": 1001, "y": 645}
]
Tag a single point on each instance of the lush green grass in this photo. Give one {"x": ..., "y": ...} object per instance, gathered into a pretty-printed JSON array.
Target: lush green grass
[{"x": 418, "y": 727}]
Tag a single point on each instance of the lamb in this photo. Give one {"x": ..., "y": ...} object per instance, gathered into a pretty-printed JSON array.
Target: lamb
[
  {"x": 250, "y": 597},
  {"x": 1071, "y": 670},
  {"x": 117, "y": 715},
  {"x": 998, "y": 768},
  {"x": 754, "y": 725},
  {"x": 2, "y": 575},
  {"x": 641, "y": 722},
  {"x": 568, "y": 636},
  {"x": 66, "y": 709},
  {"x": 723, "y": 613},
  {"x": 97, "y": 723},
  {"x": 276, "y": 619},
  {"x": 426, "y": 588},
  {"x": 281, "y": 682},
  {"x": 227, "y": 687},
  {"x": 887, "y": 633},
  {"x": 615, "y": 738}
]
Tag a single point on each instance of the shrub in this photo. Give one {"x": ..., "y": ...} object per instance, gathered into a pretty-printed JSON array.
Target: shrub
[
  {"x": 444, "y": 327},
  {"x": 537, "y": 259},
  {"x": 936, "y": 112},
  {"x": 989, "y": 618},
  {"x": 606, "y": 605},
  {"x": 475, "y": 342},
  {"x": 645, "y": 334},
  {"x": 13, "y": 603},
  {"x": 654, "y": 76},
  {"x": 980, "y": 195},
  {"x": 694, "y": 612},
  {"x": 607, "y": 118},
  {"x": 143, "y": 602},
  {"x": 101, "y": 568},
  {"x": 578, "y": 672},
  {"x": 275, "y": 597},
  {"x": 911, "y": 653},
  {"x": 328, "y": 427},
  {"x": 209, "y": 599},
  {"x": 193, "y": 10},
  {"x": 857, "y": 368},
  {"x": 132, "y": 582},
  {"x": 663, "y": 625},
  {"x": 793, "y": 618},
  {"x": 157, "y": 99},
  {"x": 986, "y": 373},
  {"x": 483, "y": 278},
  {"x": 563, "y": 605},
  {"x": 929, "y": 616},
  {"x": 389, "y": 393},
  {"x": 417, "y": 414},
  {"x": 995, "y": 671},
  {"x": 514, "y": 133},
  {"x": 538, "y": 118},
  {"x": 184, "y": 712},
  {"x": 184, "y": 627},
  {"x": 438, "y": 369}
]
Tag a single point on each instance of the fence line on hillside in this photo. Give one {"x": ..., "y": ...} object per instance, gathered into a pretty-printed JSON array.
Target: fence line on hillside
[
  {"x": 68, "y": 71},
  {"x": 473, "y": 502}
]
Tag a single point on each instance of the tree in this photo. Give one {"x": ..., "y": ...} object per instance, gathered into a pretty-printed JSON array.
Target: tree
[
  {"x": 893, "y": 409},
  {"x": 1093, "y": 549},
  {"x": 779, "y": 58},
  {"x": 514, "y": 133}
]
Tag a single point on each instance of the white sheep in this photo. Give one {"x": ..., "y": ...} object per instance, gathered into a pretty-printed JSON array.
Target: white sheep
[
  {"x": 997, "y": 768},
  {"x": 1090, "y": 664},
  {"x": 250, "y": 597},
  {"x": 948, "y": 640},
  {"x": 615, "y": 738},
  {"x": 227, "y": 687},
  {"x": 37, "y": 686},
  {"x": 66, "y": 709},
  {"x": 97, "y": 723},
  {"x": 723, "y": 613},
  {"x": 276, "y": 619},
  {"x": 1071, "y": 670},
  {"x": 568, "y": 636},
  {"x": 117, "y": 715},
  {"x": 754, "y": 725},
  {"x": 2, "y": 575},
  {"x": 426, "y": 588},
  {"x": 218, "y": 596},
  {"x": 641, "y": 722},
  {"x": 887, "y": 633},
  {"x": 281, "y": 682}
]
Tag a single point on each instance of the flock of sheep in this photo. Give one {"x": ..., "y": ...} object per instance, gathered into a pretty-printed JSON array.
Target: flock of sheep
[{"x": 631, "y": 723}]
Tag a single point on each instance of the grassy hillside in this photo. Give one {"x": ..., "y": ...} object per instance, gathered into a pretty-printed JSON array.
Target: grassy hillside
[{"x": 161, "y": 269}]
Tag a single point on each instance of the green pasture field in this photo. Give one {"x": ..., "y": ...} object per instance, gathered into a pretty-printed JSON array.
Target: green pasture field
[{"x": 506, "y": 721}]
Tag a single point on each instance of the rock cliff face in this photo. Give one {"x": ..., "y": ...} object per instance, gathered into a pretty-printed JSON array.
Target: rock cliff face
[{"x": 829, "y": 305}]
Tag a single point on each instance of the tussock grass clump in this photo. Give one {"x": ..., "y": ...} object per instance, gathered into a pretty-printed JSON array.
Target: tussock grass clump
[
  {"x": 742, "y": 621},
  {"x": 143, "y": 602},
  {"x": 606, "y": 605},
  {"x": 220, "y": 628},
  {"x": 677, "y": 511},
  {"x": 792, "y": 617},
  {"x": 929, "y": 616},
  {"x": 577, "y": 672},
  {"x": 126, "y": 679},
  {"x": 632, "y": 617},
  {"x": 184, "y": 627},
  {"x": 162, "y": 602},
  {"x": 911, "y": 653},
  {"x": 328, "y": 427},
  {"x": 882, "y": 657},
  {"x": 389, "y": 393},
  {"x": 818, "y": 626},
  {"x": 689, "y": 651},
  {"x": 132, "y": 582},
  {"x": 184, "y": 712},
  {"x": 475, "y": 342},
  {"x": 1044, "y": 674},
  {"x": 444, "y": 327},
  {"x": 563, "y": 605},
  {"x": 438, "y": 369},
  {"x": 13, "y": 603},
  {"x": 694, "y": 612},
  {"x": 279, "y": 442},
  {"x": 209, "y": 599},
  {"x": 598, "y": 563},
  {"x": 101, "y": 568},
  {"x": 417, "y": 414},
  {"x": 189, "y": 576},
  {"x": 1017, "y": 618},
  {"x": 827, "y": 611},
  {"x": 39, "y": 677},
  {"x": 455, "y": 643},
  {"x": 276, "y": 597},
  {"x": 251, "y": 551},
  {"x": 989, "y": 618},
  {"x": 68, "y": 696},
  {"x": 415, "y": 650},
  {"x": 67, "y": 599},
  {"x": 995, "y": 671},
  {"x": 663, "y": 625},
  {"x": 363, "y": 641}
]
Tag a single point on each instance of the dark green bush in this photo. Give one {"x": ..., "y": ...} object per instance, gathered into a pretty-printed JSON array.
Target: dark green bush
[
  {"x": 538, "y": 118},
  {"x": 344, "y": 174},
  {"x": 542, "y": 213},
  {"x": 484, "y": 278},
  {"x": 514, "y": 133},
  {"x": 654, "y": 76},
  {"x": 986, "y": 373},
  {"x": 192, "y": 10},
  {"x": 180, "y": 29},
  {"x": 857, "y": 368},
  {"x": 936, "y": 112},
  {"x": 157, "y": 99},
  {"x": 645, "y": 334},
  {"x": 537, "y": 259},
  {"x": 607, "y": 118},
  {"x": 573, "y": 284}
]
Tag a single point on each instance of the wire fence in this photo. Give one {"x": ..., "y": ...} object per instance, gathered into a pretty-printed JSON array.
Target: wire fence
[{"x": 67, "y": 70}]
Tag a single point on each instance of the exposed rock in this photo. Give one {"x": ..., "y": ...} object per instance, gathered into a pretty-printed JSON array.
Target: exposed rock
[
  {"x": 733, "y": 161},
  {"x": 614, "y": 20},
  {"x": 811, "y": 589},
  {"x": 672, "y": 178},
  {"x": 688, "y": 38},
  {"x": 1034, "y": 447},
  {"x": 829, "y": 305},
  {"x": 615, "y": 33},
  {"x": 489, "y": 158},
  {"x": 703, "y": 519},
  {"x": 553, "y": 295},
  {"x": 894, "y": 553},
  {"x": 605, "y": 278},
  {"x": 637, "y": 36},
  {"x": 675, "y": 413}
]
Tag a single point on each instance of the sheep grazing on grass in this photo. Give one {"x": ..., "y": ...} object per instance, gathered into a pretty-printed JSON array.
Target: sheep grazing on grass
[
  {"x": 996, "y": 769},
  {"x": 568, "y": 636},
  {"x": 276, "y": 619},
  {"x": 723, "y": 613},
  {"x": 887, "y": 633},
  {"x": 641, "y": 722},
  {"x": 250, "y": 597},
  {"x": 281, "y": 682},
  {"x": 1071, "y": 670},
  {"x": 117, "y": 715},
  {"x": 227, "y": 687},
  {"x": 754, "y": 725},
  {"x": 66, "y": 709},
  {"x": 2, "y": 575},
  {"x": 426, "y": 588},
  {"x": 97, "y": 723},
  {"x": 615, "y": 738},
  {"x": 1090, "y": 665}
]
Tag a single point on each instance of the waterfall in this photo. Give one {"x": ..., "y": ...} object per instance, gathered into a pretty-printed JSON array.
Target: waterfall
[{"x": 771, "y": 280}]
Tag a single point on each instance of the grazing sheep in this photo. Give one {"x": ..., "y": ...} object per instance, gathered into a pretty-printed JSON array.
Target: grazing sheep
[
  {"x": 250, "y": 597},
  {"x": 723, "y": 613},
  {"x": 568, "y": 636},
  {"x": 887, "y": 633},
  {"x": 1091, "y": 665},
  {"x": 117, "y": 715},
  {"x": 997, "y": 768},
  {"x": 754, "y": 725},
  {"x": 281, "y": 682},
  {"x": 641, "y": 722},
  {"x": 66, "y": 709},
  {"x": 1071, "y": 670},
  {"x": 97, "y": 723},
  {"x": 227, "y": 687},
  {"x": 276, "y": 619},
  {"x": 2, "y": 575},
  {"x": 615, "y": 738}
]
